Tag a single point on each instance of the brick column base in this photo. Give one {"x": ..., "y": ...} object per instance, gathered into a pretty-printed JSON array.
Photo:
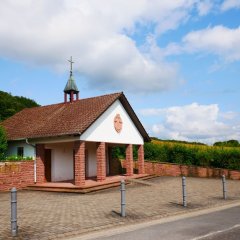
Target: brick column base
[
  {"x": 40, "y": 159},
  {"x": 129, "y": 160},
  {"x": 79, "y": 163},
  {"x": 101, "y": 161},
  {"x": 141, "y": 169}
]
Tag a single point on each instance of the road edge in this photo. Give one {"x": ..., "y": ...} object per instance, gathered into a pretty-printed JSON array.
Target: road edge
[{"x": 123, "y": 229}]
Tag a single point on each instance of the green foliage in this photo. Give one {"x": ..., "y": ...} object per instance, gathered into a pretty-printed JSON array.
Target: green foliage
[
  {"x": 9, "y": 105},
  {"x": 120, "y": 152},
  {"x": 187, "y": 153},
  {"x": 178, "y": 141},
  {"x": 3, "y": 142},
  {"x": 230, "y": 143},
  {"x": 193, "y": 155},
  {"x": 156, "y": 153},
  {"x": 15, "y": 158}
]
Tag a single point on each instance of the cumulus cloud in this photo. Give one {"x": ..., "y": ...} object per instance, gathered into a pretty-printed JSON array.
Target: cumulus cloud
[
  {"x": 98, "y": 36},
  {"x": 204, "y": 7},
  {"x": 218, "y": 40},
  {"x": 229, "y": 4},
  {"x": 195, "y": 122}
]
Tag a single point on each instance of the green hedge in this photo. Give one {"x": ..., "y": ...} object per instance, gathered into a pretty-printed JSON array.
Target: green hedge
[
  {"x": 16, "y": 159},
  {"x": 195, "y": 155}
]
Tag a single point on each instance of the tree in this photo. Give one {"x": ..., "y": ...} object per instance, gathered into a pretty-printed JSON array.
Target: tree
[
  {"x": 3, "y": 142},
  {"x": 229, "y": 143},
  {"x": 9, "y": 105}
]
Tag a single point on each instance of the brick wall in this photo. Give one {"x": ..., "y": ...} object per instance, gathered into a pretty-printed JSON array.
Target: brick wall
[
  {"x": 16, "y": 174},
  {"x": 168, "y": 169}
]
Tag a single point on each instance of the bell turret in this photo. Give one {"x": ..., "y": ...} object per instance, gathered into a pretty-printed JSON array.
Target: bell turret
[{"x": 71, "y": 87}]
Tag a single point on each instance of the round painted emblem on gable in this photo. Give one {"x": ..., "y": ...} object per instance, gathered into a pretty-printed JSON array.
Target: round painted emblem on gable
[{"x": 118, "y": 123}]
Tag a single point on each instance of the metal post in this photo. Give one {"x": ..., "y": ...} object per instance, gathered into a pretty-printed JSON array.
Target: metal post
[
  {"x": 14, "y": 227},
  {"x": 224, "y": 187},
  {"x": 123, "y": 200},
  {"x": 184, "y": 191}
]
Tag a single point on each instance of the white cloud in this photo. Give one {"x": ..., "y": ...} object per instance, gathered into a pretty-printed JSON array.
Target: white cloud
[
  {"x": 97, "y": 33},
  {"x": 218, "y": 40},
  {"x": 195, "y": 122},
  {"x": 204, "y": 7},
  {"x": 229, "y": 4}
]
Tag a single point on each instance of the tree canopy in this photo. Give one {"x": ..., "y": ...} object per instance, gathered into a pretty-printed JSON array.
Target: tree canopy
[
  {"x": 229, "y": 143},
  {"x": 3, "y": 142},
  {"x": 9, "y": 105}
]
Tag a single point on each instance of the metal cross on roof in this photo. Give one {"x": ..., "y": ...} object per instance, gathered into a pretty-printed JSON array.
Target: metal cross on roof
[{"x": 71, "y": 63}]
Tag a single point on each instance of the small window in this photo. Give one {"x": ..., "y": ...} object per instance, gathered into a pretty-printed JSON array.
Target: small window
[{"x": 20, "y": 151}]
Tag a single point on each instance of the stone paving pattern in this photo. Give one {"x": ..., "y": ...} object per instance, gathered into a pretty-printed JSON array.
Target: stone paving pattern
[{"x": 49, "y": 215}]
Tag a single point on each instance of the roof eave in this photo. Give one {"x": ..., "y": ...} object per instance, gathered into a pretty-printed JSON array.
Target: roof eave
[
  {"x": 46, "y": 136},
  {"x": 122, "y": 98}
]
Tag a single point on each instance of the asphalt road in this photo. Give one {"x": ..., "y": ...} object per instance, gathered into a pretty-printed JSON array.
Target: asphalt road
[
  {"x": 233, "y": 234},
  {"x": 224, "y": 225}
]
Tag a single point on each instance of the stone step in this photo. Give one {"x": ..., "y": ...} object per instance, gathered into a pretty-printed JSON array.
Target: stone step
[
  {"x": 73, "y": 189},
  {"x": 87, "y": 189},
  {"x": 143, "y": 180}
]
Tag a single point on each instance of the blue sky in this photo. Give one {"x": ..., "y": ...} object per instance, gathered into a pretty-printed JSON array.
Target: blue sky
[{"x": 178, "y": 62}]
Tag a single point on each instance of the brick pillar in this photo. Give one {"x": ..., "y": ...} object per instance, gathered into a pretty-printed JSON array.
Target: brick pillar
[
  {"x": 40, "y": 159},
  {"x": 79, "y": 163},
  {"x": 141, "y": 169},
  {"x": 129, "y": 160},
  {"x": 101, "y": 161}
]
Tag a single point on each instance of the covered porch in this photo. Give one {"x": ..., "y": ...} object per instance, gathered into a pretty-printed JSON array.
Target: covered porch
[{"x": 82, "y": 164}]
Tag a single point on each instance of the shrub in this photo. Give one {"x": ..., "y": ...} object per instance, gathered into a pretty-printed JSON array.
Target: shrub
[
  {"x": 15, "y": 158},
  {"x": 3, "y": 142},
  {"x": 189, "y": 154}
]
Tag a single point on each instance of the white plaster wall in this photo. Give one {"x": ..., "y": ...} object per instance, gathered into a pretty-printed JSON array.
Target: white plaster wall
[
  {"x": 92, "y": 159},
  {"x": 29, "y": 151},
  {"x": 62, "y": 161},
  {"x": 107, "y": 161},
  {"x": 103, "y": 129}
]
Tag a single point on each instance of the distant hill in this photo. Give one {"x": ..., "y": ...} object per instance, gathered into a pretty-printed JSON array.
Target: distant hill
[
  {"x": 9, "y": 105},
  {"x": 177, "y": 141},
  {"x": 229, "y": 143}
]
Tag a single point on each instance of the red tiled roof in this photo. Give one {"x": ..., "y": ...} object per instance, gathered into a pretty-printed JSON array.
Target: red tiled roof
[{"x": 64, "y": 118}]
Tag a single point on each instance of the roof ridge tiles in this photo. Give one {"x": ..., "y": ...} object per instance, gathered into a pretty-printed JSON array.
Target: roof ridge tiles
[
  {"x": 58, "y": 119},
  {"x": 65, "y": 118}
]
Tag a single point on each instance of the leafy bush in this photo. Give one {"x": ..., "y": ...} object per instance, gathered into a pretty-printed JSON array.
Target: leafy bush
[
  {"x": 3, "y": 142},
  {"x": 192, "y": 154},
  {"x": 15, "y": 158},
  {"x": 187, "y": 154},
  {"x": 120, "y": 152}
]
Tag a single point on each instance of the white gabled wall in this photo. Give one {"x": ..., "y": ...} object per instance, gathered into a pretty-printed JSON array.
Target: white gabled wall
[{"x": 102, "y": 130}]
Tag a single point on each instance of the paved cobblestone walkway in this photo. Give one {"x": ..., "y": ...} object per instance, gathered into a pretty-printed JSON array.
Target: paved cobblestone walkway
[{"x": 44, "y": 215}]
